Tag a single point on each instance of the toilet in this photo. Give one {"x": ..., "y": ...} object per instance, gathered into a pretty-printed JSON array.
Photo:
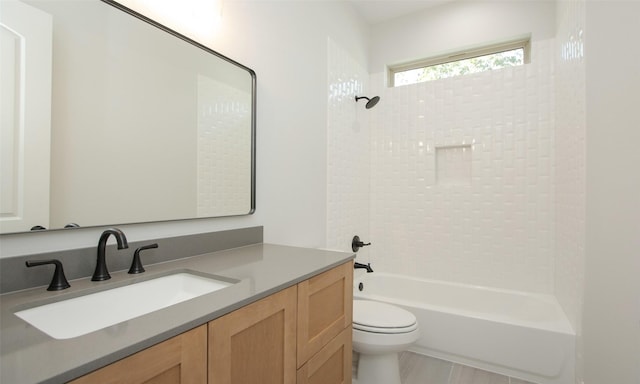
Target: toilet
[{"x": 380, "y": 332}]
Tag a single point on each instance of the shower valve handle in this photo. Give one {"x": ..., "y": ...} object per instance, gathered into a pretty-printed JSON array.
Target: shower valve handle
[{"x": 356, "y": 244}]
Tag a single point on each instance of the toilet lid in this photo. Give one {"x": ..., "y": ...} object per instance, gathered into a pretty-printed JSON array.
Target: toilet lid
[{"x": 374, "y": 316}]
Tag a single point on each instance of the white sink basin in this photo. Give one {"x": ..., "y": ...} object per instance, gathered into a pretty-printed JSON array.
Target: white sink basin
[{"x": 81, "y": 315}]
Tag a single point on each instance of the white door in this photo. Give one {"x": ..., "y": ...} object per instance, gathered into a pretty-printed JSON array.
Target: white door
[{"x": 25, "y": 116}]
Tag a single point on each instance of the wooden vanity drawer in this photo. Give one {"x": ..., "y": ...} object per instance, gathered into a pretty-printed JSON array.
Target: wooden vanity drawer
[
  {"x": 325, "y": 305},
  {"x": 332, "y": 365}
]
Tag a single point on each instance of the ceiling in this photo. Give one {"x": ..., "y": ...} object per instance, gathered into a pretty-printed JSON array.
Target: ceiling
[{"x": 376, "y": 11}]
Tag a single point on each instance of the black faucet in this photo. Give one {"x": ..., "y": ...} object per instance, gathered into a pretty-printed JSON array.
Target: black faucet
[
  {"x": 101, "y": 273},
  {"x": 367, "y": 266}
]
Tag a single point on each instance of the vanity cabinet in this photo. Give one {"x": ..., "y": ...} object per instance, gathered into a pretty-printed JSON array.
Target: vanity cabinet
[
  {"x": 256, "y": 343},
  {"x": 181, "y": 359},
  {"x": 301, "y": 334},
  {"x": 325, "y": 306}
]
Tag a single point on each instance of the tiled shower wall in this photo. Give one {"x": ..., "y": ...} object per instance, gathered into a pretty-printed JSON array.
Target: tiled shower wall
[
  {"x": 462, "y": 177},
  {"x": 347, "y": 152},
  {"x": 570, "y": 163}
]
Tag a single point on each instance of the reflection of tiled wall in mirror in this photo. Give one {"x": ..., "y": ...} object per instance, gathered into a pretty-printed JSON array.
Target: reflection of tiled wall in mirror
[{"x": 224, "y": 145}]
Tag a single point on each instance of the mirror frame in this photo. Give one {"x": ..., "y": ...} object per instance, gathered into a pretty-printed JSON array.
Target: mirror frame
[{"x": 251, "y": 72}]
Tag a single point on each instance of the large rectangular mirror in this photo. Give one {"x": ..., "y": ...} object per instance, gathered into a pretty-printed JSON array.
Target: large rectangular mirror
[{"x": 109, "y": 118}]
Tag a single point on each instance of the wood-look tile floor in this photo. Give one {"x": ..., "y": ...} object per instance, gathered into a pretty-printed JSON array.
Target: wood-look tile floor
[{"x": 420, "y": 369}]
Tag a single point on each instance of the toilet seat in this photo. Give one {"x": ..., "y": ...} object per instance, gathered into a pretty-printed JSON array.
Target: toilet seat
[{"x": 377, "y": 317}]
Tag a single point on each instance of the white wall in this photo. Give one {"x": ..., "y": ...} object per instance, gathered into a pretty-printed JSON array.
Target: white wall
[
  {"x": 456, "y": 25},
  {"x": 570, "y": 166},
  {"x": 611, "y": 317},
  {"x": 285, "y": 42}
]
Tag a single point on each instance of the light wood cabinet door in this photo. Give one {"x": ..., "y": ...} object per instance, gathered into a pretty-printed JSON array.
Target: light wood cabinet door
[
  {"x": 332, "y": 365},
  {"x": 256, "y": 343},
  {"x": 181, "y": 359},
  {"x": 325, "y": 304}
]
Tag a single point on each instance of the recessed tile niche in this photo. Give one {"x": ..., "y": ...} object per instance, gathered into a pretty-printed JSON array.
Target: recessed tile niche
[{"x": 453, "y": 164}]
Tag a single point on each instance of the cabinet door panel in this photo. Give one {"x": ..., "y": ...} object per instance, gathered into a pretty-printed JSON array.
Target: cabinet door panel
[
  {"x": 332, "y": 365},
  {"x": 325, "y": 305},
  {"x": 256, "y": 343},
  {"x": 179, "y": 360}
]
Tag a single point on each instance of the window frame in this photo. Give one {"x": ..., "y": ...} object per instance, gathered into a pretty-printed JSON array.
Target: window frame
[{"x": 523, "y": 43}]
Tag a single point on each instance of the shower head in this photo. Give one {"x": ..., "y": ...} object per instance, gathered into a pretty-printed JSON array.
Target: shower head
[{"x": 371, "y": 102}]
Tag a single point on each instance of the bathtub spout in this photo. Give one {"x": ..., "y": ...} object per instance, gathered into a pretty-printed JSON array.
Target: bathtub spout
[{"x": 367, "y": 266}]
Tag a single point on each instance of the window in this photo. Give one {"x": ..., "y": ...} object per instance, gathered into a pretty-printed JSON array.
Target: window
[{"x": 482, "y": 59}]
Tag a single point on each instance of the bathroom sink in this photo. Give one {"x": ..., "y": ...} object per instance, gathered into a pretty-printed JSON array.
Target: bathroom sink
[{"x": 81, "y": 315}]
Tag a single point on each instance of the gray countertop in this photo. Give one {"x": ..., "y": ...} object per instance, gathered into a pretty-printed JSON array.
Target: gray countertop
[{"x": 30, "y": 356}]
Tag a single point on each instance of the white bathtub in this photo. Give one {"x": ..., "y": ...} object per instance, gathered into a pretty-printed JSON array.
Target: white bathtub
[{"x": 513, "y": 333}]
